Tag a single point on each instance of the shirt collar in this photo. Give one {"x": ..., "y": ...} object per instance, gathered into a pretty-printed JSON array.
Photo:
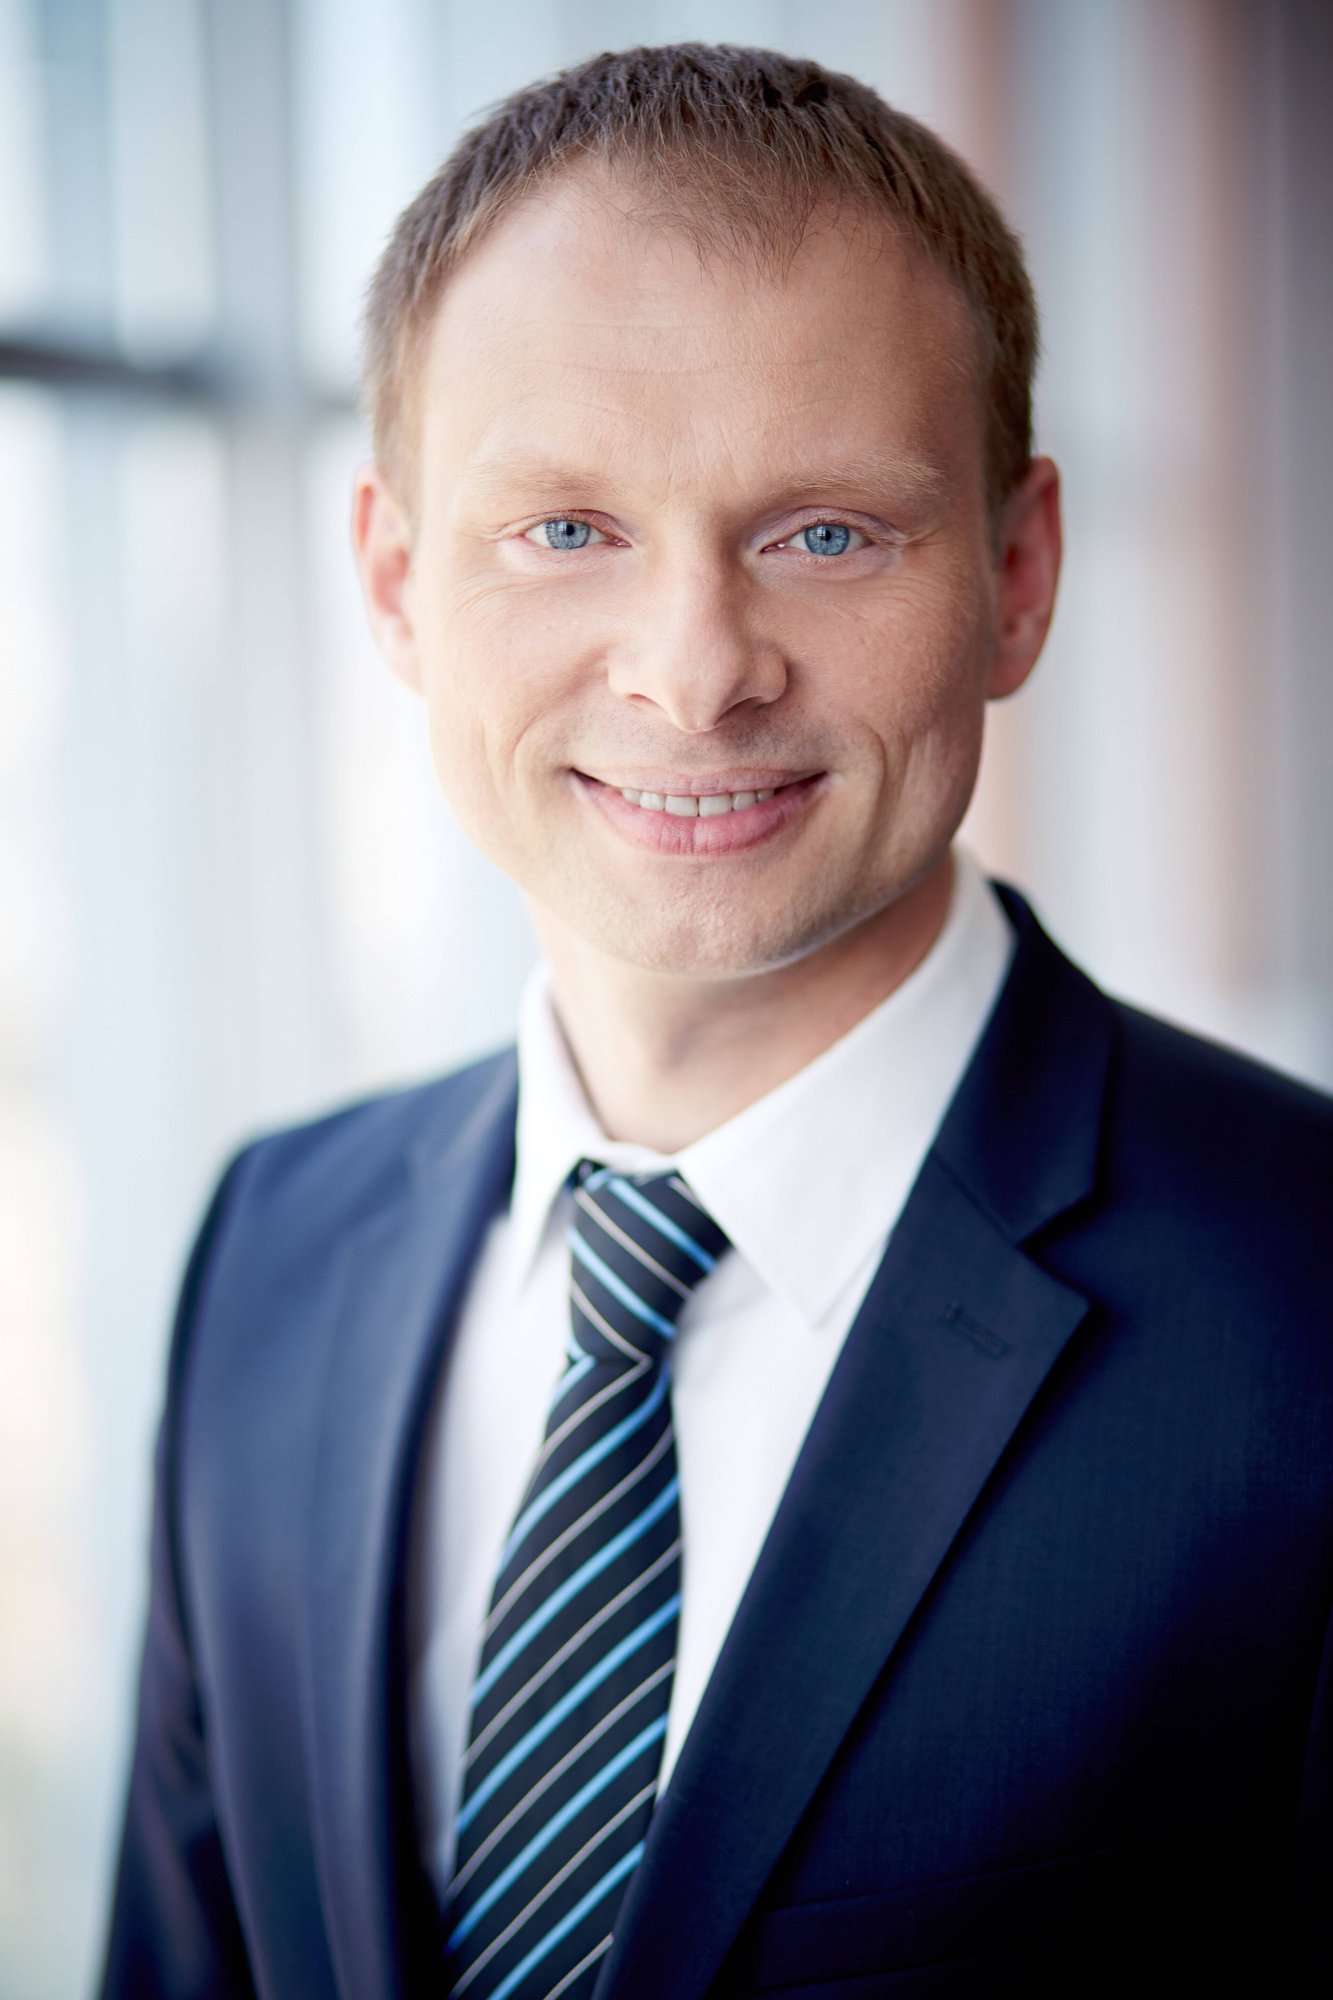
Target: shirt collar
[
  {"x": 557, "y": 1126},
  {"x": 806, "y": 1180}
]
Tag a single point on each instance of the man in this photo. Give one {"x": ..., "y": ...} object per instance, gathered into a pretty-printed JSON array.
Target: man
[{"x": 816, "y": 1478}]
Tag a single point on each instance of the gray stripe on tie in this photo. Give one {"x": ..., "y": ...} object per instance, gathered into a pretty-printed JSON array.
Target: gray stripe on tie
[
  {"x": 603, "y": 1325},
  {"x": 516, "y": 1923},
  {"x": 625, "y": 1380},
  {"x": 544, "y": 1673},
  {"x": 553, "y": 1549},
  {"x": 614, "y": 1230},
  {"x": 582, "y": 1966}
]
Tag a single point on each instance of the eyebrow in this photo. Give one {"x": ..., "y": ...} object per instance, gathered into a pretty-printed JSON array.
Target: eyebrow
[
  {"x": 529, "y": 468},
  {"x": 844, "y": 474}
]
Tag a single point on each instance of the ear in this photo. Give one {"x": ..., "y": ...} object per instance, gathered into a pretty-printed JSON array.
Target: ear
[
  {"x": 1027, "y": 572},
  {"x": 382, "y": 541}
]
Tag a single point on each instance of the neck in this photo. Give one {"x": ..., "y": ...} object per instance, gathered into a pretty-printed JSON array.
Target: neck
[{"x": 664, "y": 1059}]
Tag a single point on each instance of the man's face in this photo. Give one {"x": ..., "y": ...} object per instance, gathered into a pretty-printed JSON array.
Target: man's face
[{"x": 698, "y": 536}]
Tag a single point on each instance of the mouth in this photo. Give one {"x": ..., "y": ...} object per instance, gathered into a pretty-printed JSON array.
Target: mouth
[
  {"x": 714, "y": 815},
  {"x": 697, "y": 805}
]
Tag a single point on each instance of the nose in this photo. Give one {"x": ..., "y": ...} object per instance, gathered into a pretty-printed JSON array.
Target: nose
[{"x": 693, "y": 651}]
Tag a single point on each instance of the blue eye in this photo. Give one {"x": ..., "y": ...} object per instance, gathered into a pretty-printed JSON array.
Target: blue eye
[
  {"x": 560, "y": 533},
  {"x": 827, "y": 538}
]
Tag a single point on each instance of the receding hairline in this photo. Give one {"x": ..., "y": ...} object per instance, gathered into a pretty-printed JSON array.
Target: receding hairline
[{"x": 735, "y": 147}]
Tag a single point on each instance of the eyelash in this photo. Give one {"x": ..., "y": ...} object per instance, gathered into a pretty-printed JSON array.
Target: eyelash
[{"x": 868, "y": 540}]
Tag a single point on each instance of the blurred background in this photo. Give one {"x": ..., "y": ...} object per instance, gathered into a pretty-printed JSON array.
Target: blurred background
[{"x": 229, "y": 894}]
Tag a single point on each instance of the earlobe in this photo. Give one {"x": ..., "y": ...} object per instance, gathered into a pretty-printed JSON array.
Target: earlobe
[
  {"x": 1027, "y": 575},
  {"x": 382, "y": 542}
]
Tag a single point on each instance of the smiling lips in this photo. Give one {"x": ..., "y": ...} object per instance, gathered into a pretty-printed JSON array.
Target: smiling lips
[
  {"x": 704, "y": 822},
  {"x": 704, "y": 805}
]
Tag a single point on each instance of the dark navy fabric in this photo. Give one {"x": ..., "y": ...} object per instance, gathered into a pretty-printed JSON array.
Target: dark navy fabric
[{"x": 1031, "y": 1690}]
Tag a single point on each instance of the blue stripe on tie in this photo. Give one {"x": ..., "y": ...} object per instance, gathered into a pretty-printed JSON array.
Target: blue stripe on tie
[
  {"x": 574, "y": 1373},
  {"x": 558, "y": 1599},
  {"x": 566, "y": 1706},
  {"x": 567, "y": 1923},
  {"x": 617, "y": 1286},
  {"x": 671, "y": 1230},
  {"x": 592, "y": 1456},
  {"x": 556, "y": 1824}
]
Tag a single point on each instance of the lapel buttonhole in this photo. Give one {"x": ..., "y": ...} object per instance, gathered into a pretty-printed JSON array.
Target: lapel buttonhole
[{"x": 973, "y": 1330}]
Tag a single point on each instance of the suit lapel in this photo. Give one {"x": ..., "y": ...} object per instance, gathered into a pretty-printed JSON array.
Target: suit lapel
[
  {"x": 403, "y": 1271},
  {"x": 955, "y": 1337}
]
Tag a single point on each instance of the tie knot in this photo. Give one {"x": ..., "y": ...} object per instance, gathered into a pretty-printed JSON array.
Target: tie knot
[{"x": 639, "y": 1245}]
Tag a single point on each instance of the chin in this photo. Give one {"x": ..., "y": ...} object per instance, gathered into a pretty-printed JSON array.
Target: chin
[{"x": 715, "y": 942}]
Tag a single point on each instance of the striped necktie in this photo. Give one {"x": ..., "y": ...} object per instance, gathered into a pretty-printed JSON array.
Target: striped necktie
[{"x": 569, "y": 1707}]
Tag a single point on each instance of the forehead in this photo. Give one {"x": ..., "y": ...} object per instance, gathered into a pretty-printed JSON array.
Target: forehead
[{"x": 578, "y": 326}]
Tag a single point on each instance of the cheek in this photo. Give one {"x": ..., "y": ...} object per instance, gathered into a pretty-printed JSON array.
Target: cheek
[
  {"x": 498, "y": 675},
  {"x": 918, "y": 665}
]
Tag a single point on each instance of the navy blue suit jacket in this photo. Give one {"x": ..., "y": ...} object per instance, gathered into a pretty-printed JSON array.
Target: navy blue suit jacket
[{"x": 1032, "y": 1683}]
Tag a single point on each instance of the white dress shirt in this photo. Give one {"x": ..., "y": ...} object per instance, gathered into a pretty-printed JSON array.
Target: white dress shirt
[{"x": 807, "y": 1183}]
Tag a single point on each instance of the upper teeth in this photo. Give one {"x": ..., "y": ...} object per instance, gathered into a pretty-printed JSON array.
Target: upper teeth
[{"x": 688, "y": 806}]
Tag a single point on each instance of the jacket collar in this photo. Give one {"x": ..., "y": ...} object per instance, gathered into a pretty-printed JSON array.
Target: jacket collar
[{"x": 1023, "y": 1132}]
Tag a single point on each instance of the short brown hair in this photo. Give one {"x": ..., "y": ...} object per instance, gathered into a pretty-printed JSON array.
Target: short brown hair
[{"x": 738, "y": 146}]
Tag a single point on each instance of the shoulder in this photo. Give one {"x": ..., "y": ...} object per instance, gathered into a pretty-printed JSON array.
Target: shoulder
[
  {"x": 348, "y": 1158},
  {"x": 1184, "y": 1169},
  {"x": 264, "y": 1280},
  {"x": 1206, "y": 1223},
  {"x": 289, "y": 1196},
  {"x": 1186, "y": 1191},
  {"x": 1168, "y": 1101},
  {"x": 1205, "y": 1123}
]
